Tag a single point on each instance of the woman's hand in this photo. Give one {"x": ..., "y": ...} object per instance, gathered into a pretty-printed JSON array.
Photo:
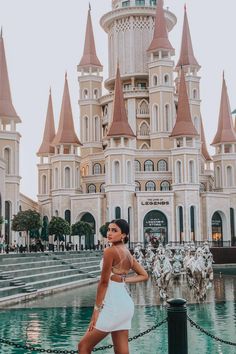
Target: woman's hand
[{"x": 93, "y": 321}]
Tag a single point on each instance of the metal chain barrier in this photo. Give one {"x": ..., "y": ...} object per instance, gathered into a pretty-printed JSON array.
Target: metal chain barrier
[
  {"x": 194, "y": 324},
  {"x": 58, "y": 351}
]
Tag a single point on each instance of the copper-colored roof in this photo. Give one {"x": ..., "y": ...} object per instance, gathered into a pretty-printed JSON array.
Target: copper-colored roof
[
  {"x": 183, "y": 125},
  {"x": 89, "y": 57},
  {"x": 160, "y": 38},
  {"x": 66, "y": 131},
  {"x": 205, "y": 152},
  {"x": 6, "y": 107},
  {"x": 49, "y": 131},
  {"x": 186, "y": 54},
  {"x": 120, "y": 125},
  {"x": 225, "y": 132}
]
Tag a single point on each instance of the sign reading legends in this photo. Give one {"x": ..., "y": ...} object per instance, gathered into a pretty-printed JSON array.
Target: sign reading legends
[{"x": 156, "y": 201}]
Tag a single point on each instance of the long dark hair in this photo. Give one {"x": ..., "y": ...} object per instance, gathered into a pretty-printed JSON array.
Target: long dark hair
[{"x": 124, "y": 226}]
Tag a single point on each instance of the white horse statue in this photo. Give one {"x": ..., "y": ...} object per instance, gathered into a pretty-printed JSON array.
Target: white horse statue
[
  {"x": 138, "y": 254},
  {"x": 162, "y": 273}
]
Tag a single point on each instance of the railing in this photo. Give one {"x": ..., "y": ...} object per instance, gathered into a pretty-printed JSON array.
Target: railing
[
  {"x": 177, "y": 319},
  {"x": 174, "y": 244}
]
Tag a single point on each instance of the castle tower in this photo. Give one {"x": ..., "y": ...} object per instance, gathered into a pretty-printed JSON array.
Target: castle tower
[
  {"x": 185, "y": 167},
  {"x": 191, "y": 68},
  {"x": 9, "y": 150},
  {"x": 161, "y": 86},
  {"x": 90, "y": 82},
  {"x": 225, "y": 146},
  {"x": 65, "y": 161},
  {"x": 119, "y": 159},
  {"x": 45, "y": 152}
]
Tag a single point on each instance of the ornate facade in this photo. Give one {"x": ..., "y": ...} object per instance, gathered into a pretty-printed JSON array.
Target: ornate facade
[{"x": 142, "y": 152}]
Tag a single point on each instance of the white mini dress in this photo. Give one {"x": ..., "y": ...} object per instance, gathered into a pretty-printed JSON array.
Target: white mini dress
[{"x": 118, "y": 308}]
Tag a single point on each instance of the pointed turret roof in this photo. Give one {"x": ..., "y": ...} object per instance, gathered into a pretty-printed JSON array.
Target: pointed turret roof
[
  {"x": 49, "y": 131},
  {"x": 89, "y": 57},
  {"x": 186, "y": 54},
  {"x": 225, "y": 132},
  {"x": 160, "y": 38},
  {"x": 183, "y": 125},
  {"x": 7, "y": 109},
  {"x": 120, "y": 125},
  {"x": 205, "y": 152},
  {"x": 66, "y": 131}
]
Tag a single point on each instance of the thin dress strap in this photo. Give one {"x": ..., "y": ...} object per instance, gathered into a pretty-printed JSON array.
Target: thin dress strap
[{"x": 128, "y": 255}]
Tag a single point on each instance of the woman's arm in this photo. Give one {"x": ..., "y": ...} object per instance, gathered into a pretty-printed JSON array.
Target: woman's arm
[{"x": 141, "y": 274}]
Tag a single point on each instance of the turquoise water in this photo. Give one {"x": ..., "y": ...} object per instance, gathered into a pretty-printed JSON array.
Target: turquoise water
[{"x": 57, "y": 322}]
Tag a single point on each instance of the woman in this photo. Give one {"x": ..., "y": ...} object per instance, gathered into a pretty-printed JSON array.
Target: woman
[{"x": 114, "y": 308}]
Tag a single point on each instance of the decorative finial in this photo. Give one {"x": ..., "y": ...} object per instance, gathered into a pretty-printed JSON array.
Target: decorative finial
[
  {"x": 1, "y": 32},
  {"x": 50, "y": 90},
  {"x": 223, "y": 74},
  {"x": 89, "y": 6},
  {"x": 66, "y": 75},
  {"x": 185, "y": 7}
]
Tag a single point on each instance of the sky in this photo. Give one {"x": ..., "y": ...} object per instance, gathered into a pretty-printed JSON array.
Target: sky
[{"x": 45, "y": 38}]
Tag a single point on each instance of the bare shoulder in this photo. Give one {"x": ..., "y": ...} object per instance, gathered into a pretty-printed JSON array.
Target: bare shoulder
[{"x": 108, "y": 252}]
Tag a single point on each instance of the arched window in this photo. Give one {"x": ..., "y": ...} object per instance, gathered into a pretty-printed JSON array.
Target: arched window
[
  {"x": 97, "y": 169},
  {"x": 137, "y": 166},
  {"x": 156, "y": 127},
  {"x": 143, "y": 107},
  {"x": 180, "y": 223},
  {"x": 102, "y": 188},
  {"x": 155, "y": 80},
  {"x": 229, "y": 174},
  {"x": 137, "y": 186},
  {"x": 44, "y": 184},
  {"x": 87, "y": 170},
  {"x": 178, "y": 172},
  {"x": 129, "y": 173},
  {"x": 85, "y": 94},
  {"x": 117, "y": 213},
  {"x": 162, "y": 166},
  {"x": 91, "y": 188},
  {"x": 150, "y": 186},
  {"x": 83, "y": 171},
  {"x": 192, "y": 222},
  {"x": 56, "y": 179},
  {"x": 7, "y": 159},
  {"x": 95, "y": 94},
  {"x": 218, "y": 177},
  {"x": 67, "y": 177},
  {"x": 166, "y": 79},
  {"x": 96, "y": 129},
  {"x": 195, "y": 94},
  {"x": 86, "y": 129},
  {"x": 117, "y": 172},
  {"x": 148, "y": 165},
  {"x": 191, "y": 172},
  {"x": 167, "y": 117},
  {"x": 68, "y": 216},
  {"x": 165, "y": 186},
  {"x": 144, "y": 130}
]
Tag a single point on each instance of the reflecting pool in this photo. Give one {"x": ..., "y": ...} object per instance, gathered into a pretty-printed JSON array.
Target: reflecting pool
[{"x": 58, "y": 321}]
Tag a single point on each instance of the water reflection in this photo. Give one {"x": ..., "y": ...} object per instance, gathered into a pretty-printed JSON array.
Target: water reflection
[{"x": 57, "y": 322}]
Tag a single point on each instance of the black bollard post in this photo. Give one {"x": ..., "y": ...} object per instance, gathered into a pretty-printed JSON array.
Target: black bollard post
[{"x": 177, "y": 326}]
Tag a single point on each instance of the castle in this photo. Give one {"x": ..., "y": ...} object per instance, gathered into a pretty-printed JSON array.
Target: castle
[{"x": 142, "y": 153}]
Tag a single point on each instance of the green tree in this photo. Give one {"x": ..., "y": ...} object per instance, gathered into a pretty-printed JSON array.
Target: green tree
[
  {"x": 59, "y": 228},
  {"x": 103, "y": 229},
  {"x": 82, "y": 228},
  {"x": 28, "y": 221},
  {"x": 44, "y": 231}
]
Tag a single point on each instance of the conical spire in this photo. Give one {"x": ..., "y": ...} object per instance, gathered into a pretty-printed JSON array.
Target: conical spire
[
  {"x": 7, "y": 109},
  {"x": 183, "y": 125},
  {"x": 120, "y": 125},
  {"x": 49, "y": 131},
  {"x": 160, "y": 38},
  {"x": 89, "y": 57},
  {"x": 225, "y": 132},
  {"x": 186, "y": 54},
  {"x": 66, "y": 131},
  {"x": 205, "y": 152}
]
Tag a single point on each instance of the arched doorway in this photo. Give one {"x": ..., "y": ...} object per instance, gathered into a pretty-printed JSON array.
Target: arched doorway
[
  {"x": 155, "y": 228},
  {"x": 89, "y": 240},
  {"x": 217, "y": 228}
]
